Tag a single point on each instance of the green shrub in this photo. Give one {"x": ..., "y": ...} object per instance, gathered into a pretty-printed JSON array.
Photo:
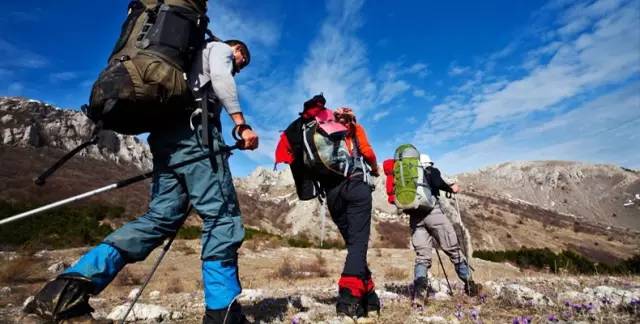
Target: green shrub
[
  {"x": 189, "y": 232},
  {"x": 567, "y": 260},
  {"x": 64, "y": 227}
]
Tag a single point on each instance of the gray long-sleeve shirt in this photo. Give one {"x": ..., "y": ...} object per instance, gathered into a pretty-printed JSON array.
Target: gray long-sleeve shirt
[{"x": 215, "y": 64}]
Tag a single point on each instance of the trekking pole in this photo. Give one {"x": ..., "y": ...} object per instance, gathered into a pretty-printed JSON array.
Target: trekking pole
[
  {"x": 165, "y": 249},
  {"x": 465, "y": 251},
  {"x": 444, "y": 272},
  {"x": 117, "y": 185},
  {"x": 40, "y": 180}
]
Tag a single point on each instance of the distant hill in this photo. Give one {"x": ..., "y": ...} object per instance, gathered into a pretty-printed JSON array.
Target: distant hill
[{"x": 554, "y": 204}]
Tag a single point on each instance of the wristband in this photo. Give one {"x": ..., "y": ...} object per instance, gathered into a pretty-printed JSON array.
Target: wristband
[{"x": 238, "y": 130}]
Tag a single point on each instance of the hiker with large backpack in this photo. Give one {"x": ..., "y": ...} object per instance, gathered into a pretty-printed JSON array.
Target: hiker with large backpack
[
  {"x": 334, "y": 161},
  {"x": 178, "y": 133},
  {"x": 415, "y": 190}
]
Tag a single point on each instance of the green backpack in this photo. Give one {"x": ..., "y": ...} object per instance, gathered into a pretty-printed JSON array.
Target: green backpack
[
  {"x": 146, "y": 74},
  {"x": 411, "y": 189}
]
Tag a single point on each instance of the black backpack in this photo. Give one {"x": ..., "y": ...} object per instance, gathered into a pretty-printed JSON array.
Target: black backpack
[{"x": 145, "y": 78}]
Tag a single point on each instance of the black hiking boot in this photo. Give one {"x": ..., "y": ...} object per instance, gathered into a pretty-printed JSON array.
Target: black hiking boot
[
  {"x": 420, "y": 292},
  {"x": 472, "y": 289},
  {"x": 371, "y": 303},
  {"x": 231, "y": 315},
  {"x": 63, "y": 298},
  {"x": 349, "y": 305}
]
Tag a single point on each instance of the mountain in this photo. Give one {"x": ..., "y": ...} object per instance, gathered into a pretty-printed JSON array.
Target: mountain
[
  {"x": 33, "y": 135},
  {"x": 554, "y": 204}
]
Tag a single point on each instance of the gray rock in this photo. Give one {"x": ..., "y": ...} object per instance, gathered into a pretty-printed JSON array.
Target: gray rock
[
  {"x": 523, "y": 296},
  {"x": 140, "y": 312},
  {"x": 177, "y": 315},
  {"x": 5, "y": 291},
  {"x": 6, "y": 119},
  {"x": 133, "y": 293},
  {"x": 56, "y": 268},
  {"x": 154, "y": 295}
]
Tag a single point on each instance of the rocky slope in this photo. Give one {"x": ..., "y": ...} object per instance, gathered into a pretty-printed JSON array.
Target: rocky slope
[
  {"x": 560, "y": 205},
  {"x": 591, "y": 193}
]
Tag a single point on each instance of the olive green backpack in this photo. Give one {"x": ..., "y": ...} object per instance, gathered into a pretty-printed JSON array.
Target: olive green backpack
[
  {"x": 410, "y": 186},
  {"x": 146, "y": 74}
]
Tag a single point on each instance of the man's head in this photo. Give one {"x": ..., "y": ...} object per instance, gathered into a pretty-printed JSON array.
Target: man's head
[
  {"x": 425, "y": 160},
  {"x": 241, "y": 54}
]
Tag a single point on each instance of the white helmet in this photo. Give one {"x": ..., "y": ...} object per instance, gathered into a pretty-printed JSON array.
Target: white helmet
[{"x": 425, "y": 160}]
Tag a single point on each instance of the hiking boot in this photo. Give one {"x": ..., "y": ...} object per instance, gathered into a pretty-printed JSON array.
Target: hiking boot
[
  {"x": 420, "y": 292},
  {"x": 371, "y": 303},
  {"x": 63, "y": 298},
  {"x": 472, "y": 289},
  {"x": 230, "y": 315},
  {"x": 349, "y": 305}
]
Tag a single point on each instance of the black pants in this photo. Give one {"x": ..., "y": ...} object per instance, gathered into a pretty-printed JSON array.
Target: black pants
[{"x": 350, "y": 206}]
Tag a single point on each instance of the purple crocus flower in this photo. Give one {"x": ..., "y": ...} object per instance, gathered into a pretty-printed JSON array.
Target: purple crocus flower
[
  {"x": 475, "y": 314},
  {"x": 552, "y": 318},
  {"x": 483, "y": 298},
  {"x": 295, "y": 320}
]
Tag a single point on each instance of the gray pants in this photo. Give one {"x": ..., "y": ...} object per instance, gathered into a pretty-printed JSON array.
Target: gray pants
[{"x": 428, "y": 231}]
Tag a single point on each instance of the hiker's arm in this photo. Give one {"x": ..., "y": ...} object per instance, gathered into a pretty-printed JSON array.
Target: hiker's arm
[
  {"x": 440, "y": 184},
  {"x": 224, "y": 87},
  {"x": 365, "y": 149},
  {"x": 222, "y": 82}
]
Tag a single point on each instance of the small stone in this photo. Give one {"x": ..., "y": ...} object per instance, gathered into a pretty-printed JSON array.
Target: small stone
[
  {"x": 5, "y": 291},
  {"x": 154, "y": 295},
  {"x": 56, "y": 268},
  {"x": 133, "y": 293},
  {"x": 177, "y": 315}
]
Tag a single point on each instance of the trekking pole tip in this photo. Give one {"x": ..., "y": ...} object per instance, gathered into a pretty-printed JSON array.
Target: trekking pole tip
[{"x": 39, "y": 181}]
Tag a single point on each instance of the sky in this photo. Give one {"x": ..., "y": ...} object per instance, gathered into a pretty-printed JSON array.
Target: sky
[{"x": 471, "y": 83}]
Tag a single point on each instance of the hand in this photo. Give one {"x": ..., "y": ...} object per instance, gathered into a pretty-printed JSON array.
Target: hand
[
  {"x": 455, "y": 188},
  {"x": 249, "y": 140}
]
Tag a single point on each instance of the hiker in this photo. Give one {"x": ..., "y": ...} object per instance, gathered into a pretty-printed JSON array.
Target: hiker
[
  {"x": 330, "y": 155},
  {"x": 429, "y": 227},
  {"x": 206, "y": 185}
]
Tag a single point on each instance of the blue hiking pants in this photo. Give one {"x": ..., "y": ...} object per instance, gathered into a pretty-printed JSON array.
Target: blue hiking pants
[{"x": 208, "y": 186}]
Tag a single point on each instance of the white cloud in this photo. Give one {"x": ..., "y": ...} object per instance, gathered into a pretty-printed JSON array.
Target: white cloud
[
  {"x": 12, "y": 56},
  {"x": 381, "y": 114},
  {"x": 546, "y": 108},
  {"x": 595, "y": 58},
  {"x": 601, "y": 131},
  {"x": 456, "y": 70},
  {"x": 62, "y": 76},
  {"x": 555, "y": 72}
]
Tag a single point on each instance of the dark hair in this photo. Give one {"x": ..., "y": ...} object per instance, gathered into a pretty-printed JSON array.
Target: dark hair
[
  {"x": 317, "y": 100},
  {"x": 243, "y": 48}
]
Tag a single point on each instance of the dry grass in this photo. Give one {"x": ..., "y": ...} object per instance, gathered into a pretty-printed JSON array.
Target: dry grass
[
  {"x": 174, "y": 287},
  {"x": 310, "y": 269},
  {"x": 127, "y": 277},
  {"x": 184, "y": 248},
  {"x": 392, "y": 235},
  {"x": 23, "y": 269},
  {"x": 396, "y": 274}
]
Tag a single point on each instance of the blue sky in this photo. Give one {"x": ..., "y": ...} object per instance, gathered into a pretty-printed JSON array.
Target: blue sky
[{"x": 472, "y": 83}]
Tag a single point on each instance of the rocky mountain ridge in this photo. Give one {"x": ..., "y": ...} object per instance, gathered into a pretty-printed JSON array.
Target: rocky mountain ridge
[{"x": 31, "y": 123}]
